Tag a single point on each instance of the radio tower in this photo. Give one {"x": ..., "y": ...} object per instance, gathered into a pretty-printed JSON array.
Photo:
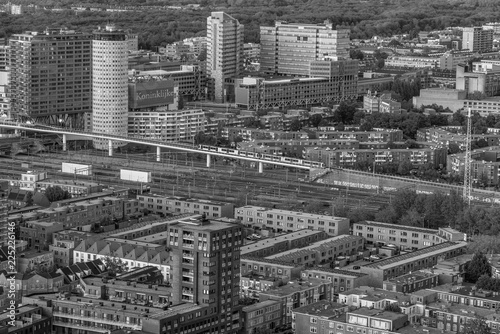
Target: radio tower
[{"x": 468, "y": 161}]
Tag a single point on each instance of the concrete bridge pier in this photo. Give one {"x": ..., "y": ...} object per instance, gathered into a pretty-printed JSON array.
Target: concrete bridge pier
[
  {"x": 209, "y": 160},
  {"x": 110, "y": 148},
  {"x": 261, "y": 167},
  {"x": 158, "y": 153},
  {"x": 64, "y": 142}
]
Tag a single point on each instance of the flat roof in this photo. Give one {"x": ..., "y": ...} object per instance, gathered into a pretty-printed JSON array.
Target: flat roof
[
  {"x": 414, "y": 276},
  {"x": 326, "y": 243},
  {"x": 269, "y": 242},
  {"x": 379, "y": 314},
  {"x": 295, "y": 286},
  {"x": 421, "y": 253},
  {"x": 323, "y": 308},
  {"x": 396, "y": 227},
  {"x": 257, "y": 306},
  {"x": 290, "y": 213},
  {"x": 336, "y": 271}
]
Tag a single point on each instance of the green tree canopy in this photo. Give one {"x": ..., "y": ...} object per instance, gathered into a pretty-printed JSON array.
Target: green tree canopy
[
  {"x": 477, "y": 267},
  {"x": 55, "y": 193}
]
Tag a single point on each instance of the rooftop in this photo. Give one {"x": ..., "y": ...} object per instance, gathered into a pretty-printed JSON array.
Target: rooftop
[
  {"x": 467, "y": 290},
  {"x": 396, "y": 227},
  {"x": 248, "y": 248},
  {"x": 322, "y": 308},
  {"x": 414, "y": 276},
  {"x": 295, "y": 286},
  {"x": 386, "y": 315},
  {"x": 465, "y": 310},
  {"x": 326, "y": 244},
  {"x": 291, "y": 213},
  {"x": 421, "y": 253},
  {"x": 258, "y": 306},
  {"x": 335, "y": 271},
  {"x": 375, "y": 294}
]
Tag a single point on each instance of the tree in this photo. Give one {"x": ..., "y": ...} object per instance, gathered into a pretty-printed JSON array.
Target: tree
[
  {"x": 344, "y": 113},
  {"x": 55, "y": 193},
  {"x": 356, "y": 54},
  {"x": 203, "y": 55},
  {"x": 477, "y": 267},
  {"x": 394, "y": 307},
  {"x": 488, "y": 283},
  {"x": 315, "y": 120},
  {"x": 486, "y": 244},
  {"x": 453, "y": 148},
  {"x": 29, "y": 198},
  {"x": 115, "y": 265},
  {"x": 295, "y": 125},
  {"x": 394, "y": 43},
  {"x": 314, "y": 207},
  {"x": 404, "y": 167},
  {"x": 180, "y": 102},
  {"x": 477, "y": 325}
]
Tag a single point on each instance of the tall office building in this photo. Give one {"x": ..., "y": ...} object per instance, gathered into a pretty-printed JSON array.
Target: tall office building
[
  {"x": 477, "y": 39},
  {"x": 50, "y": 76},
  {"x": 224, "y": 53},
  {"x": 205, "y": 256},
  {"x": 109, "y": 84},
  {"x": 287, "y": 49}
]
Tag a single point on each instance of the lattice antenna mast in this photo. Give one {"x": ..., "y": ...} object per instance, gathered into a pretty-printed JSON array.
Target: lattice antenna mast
[{"x": 468, "y": 160}]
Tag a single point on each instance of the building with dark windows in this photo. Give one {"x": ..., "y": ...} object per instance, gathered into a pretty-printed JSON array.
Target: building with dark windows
[
  {"x": 51, "y": 76},
  {"x": 288, "y": 49}
]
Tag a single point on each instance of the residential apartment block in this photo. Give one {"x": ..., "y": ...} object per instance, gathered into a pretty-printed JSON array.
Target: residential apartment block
[
  {"x": 285, "y": 242},
  {"x": 434, "y": 155},
  {"x": 38, "y": 61},
  {"x": 343, "y": 280},
  {"x": 412, "y": 282},
  {"x": 290, "y": 221},
  {"x": 477, "y": 39},
  {"x": 405, "y": 263},
  {"x": 404, "y": 237},
  {"x": 299, "y": 293},
  {"x": 166, "y": 125},
  {"x": 266, "y": 315},
  {"x": 172, "y": 205},
  {"x": 376, "y": 135},
  {"x": 311, "y": 320}
]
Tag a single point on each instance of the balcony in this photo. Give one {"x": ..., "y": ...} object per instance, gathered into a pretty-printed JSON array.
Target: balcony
[
  {"x": 96, "y": 320},
  {"x": 117, "y": 298},
  {"x": 79, "y": 327}
]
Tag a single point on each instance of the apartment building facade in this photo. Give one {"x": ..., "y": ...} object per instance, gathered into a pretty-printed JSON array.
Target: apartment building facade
[
  {"x": 402, "y": 264},
  {"x": 168, "y": 205},
  {"x": 288, "y": 49},
  {"x": 290, "y": 221},
  {"x": 38, "y": 61}
]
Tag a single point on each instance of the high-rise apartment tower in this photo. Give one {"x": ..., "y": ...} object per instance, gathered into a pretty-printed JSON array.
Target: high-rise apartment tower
[
  {"x": 50, "y": 76},
  {"x": 109, "y": 84},
  {"x": 224, "y": 53},
  {"x": 477, "y": 39}
]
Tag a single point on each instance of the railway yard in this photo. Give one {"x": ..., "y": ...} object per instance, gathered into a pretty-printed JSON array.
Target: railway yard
[{"x": 182, "y": 174}]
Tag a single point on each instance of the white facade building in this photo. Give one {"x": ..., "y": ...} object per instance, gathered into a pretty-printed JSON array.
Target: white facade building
[
  {"x": 109, "y": 84},
  {"x": 166, "y": 125},
  {"x": 224, "y": 52}
]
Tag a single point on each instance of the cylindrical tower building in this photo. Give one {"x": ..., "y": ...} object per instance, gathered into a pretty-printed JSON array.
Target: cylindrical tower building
[{"x": 109, "y": 84}]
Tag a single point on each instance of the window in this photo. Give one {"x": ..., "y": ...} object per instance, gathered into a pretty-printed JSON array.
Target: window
[
  {"x": 313, "y": 330},
  {"x": 314, "y": 320}
]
